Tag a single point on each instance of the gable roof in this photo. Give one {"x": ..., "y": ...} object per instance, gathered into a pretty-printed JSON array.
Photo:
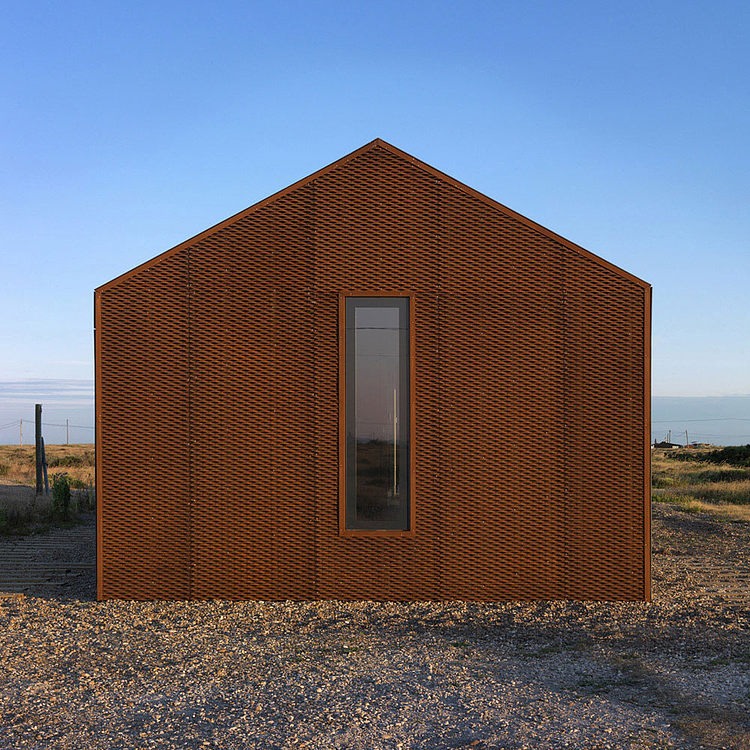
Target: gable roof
[{"x": 379, "y": 143}]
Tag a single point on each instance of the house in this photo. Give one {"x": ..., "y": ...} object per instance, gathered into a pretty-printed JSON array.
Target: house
[{"x": 375, "y": 384}]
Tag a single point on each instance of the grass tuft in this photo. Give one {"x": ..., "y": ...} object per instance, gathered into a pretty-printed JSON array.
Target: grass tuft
[{"x": 682, "y": 479}]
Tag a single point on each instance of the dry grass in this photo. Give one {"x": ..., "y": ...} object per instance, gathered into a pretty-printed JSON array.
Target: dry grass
[
  {"x": 694, "y": 505},
  {"x": 698, "y": 486},
  {"x": 17, "y": 463},
  {"x": 20, "y": 509}
]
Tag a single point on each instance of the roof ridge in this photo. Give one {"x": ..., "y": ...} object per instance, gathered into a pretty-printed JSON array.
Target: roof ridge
[{"x": 418, "y": 163}]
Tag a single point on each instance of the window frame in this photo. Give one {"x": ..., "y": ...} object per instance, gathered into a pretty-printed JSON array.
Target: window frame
[{"x": 411, "y": 511}]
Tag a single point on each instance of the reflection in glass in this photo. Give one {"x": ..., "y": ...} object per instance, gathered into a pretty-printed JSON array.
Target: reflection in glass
[{"x": 377, "y": 413}]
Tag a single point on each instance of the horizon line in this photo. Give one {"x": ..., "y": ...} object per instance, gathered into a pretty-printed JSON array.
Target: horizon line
[{"x": 29, "y": 380}]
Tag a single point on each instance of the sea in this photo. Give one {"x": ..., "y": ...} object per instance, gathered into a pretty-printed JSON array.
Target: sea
[
  {"x": 68, "y": 415},
  {"x": 67, "y": 411},
  {"x": 717, "y": 420}
]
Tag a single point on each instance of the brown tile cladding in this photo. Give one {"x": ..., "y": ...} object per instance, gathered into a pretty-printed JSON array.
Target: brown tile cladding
[{"x": 217, "y": 379}]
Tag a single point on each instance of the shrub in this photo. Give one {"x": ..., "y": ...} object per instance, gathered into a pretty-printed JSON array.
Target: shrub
[
  {"x": 86, "y": 498},
  {"x": 662, "y": 482},
  {"x": 61, "y": 495},
  {"x": 736, "y": 455},
  {"x": 723, "y": 475},
  {"x": 688, "y": 503},
  {"x": 66, "y": 461},
  {"x": 4, "y": 469}
]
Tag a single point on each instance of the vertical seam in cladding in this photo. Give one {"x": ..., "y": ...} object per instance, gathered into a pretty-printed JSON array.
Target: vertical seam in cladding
[
  {"x": 275, "y": 561},
  {"x": 316, "y": 397},
  {"x": 190, "y": 457},
  {"x": 438, "y": 551}
]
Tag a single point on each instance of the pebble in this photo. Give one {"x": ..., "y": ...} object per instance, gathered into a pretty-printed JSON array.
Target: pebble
[{"x": 673, "y": 673}]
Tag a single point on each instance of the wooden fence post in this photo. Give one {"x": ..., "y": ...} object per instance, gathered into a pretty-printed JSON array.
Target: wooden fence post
[
  {"x": 38, "y": 447},
  {"x": 44, "y": 469}
]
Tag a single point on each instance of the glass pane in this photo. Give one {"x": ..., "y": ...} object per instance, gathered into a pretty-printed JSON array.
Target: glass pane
[{"x": 377, "y": 381}]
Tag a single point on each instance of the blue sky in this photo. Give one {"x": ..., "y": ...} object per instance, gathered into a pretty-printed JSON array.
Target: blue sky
[{"x": 129, "y": 127}]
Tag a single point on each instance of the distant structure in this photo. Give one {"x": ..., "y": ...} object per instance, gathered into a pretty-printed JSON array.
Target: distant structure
[{"x": 375, "y": 384}]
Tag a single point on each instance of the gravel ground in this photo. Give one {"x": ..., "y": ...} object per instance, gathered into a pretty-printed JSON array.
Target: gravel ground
[{"x": 674, "y": 673}]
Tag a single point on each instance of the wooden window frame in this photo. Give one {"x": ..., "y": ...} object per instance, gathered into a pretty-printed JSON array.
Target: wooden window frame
[{"x": 411, "y": 515}]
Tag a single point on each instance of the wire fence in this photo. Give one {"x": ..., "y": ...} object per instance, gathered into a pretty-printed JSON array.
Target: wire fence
[
  {"x": 690, "y": 431},
  {"x": 21, "y": 432},
  {"x": 683, "y": 431}
]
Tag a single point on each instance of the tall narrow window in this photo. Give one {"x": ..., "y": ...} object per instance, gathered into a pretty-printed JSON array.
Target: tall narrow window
[{"x": 377, "y": 406}]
